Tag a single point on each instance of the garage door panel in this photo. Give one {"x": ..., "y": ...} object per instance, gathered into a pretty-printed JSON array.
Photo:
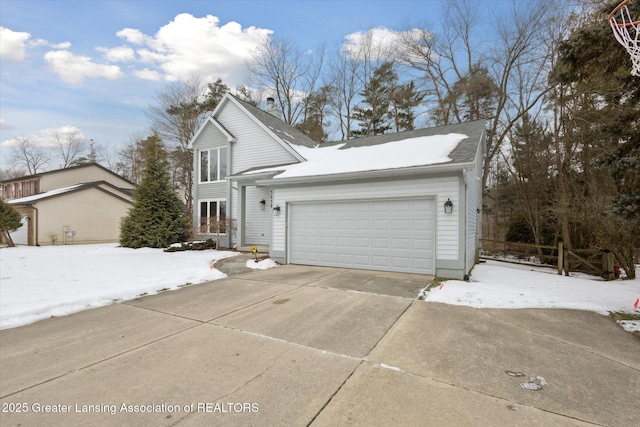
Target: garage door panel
[
  {"x": 380, "y": 224},
  {"x": 392, "y": 235}
]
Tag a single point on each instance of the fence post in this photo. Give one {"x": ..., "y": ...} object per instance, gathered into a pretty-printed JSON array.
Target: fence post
[
  {"x": 608, "y": 261},
  {"x": 560, "y": 257},
  {"x": 566, "y": 262}
]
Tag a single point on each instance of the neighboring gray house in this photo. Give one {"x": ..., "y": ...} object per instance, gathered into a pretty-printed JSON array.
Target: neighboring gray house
[{"x": 407, "y": 202}]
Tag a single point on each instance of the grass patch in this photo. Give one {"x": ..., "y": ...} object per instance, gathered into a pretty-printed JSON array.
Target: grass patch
[{"x": 617, "y": 316}]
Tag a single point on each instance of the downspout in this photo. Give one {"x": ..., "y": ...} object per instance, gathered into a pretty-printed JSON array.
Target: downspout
[{"x": 35, "y": 227}]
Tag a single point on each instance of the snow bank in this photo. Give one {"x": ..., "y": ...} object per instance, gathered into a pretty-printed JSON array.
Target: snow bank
[
  {"x": 261, "y": 265},
  {"x": 500, "y": 285},
  {"x": 40, "y": 282}
]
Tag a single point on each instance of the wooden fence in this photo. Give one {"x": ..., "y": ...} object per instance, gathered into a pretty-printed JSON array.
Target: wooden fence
[{"x": 590, "y": 261}]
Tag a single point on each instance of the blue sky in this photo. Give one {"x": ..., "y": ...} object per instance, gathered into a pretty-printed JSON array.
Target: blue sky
[{"x": 95, "y": 66}]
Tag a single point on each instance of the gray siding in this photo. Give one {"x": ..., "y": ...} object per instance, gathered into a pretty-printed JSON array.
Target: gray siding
[
  {"x": 257, "y": 221},
  {"x": 473, "y": 182},
  {"x": 254, "y": 147}
]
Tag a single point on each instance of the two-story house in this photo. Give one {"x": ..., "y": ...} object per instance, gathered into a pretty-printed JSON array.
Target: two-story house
[
  {"x": 406, "y": 202},
  {"x": 80, "y": 204}
]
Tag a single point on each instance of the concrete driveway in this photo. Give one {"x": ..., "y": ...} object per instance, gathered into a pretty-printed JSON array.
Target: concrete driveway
[{"x": 297, "y": 346}]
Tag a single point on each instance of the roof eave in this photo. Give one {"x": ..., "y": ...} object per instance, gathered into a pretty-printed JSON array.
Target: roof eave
[{"x": 385, "y": 173}]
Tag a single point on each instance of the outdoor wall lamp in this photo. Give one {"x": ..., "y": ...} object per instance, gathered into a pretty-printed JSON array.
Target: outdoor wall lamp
[
  {"x": 448, "y": 206},
  {"x": 263, "y": 203},
  {"x": 276, "y": 210}
]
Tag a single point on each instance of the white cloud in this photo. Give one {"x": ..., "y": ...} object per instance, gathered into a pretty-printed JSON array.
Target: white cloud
[
  {"x": 73, "y": 68},
  {"x": 46, "y": 137},
  {"x": 148, "y": 74},
  {"x": 189, "y": 46},
  {"x": 41, "y": 42},
  {"x": 63, "y": 45},
  {"x": 13, "y": 44},
  {"x": 118, "y": 54},
  {"x": 6, "y": 126},
  {"x": 133, "y": 36},
  {"x": 381, "y": 43}
]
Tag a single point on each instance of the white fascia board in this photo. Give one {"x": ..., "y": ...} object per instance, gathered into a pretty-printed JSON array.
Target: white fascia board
[
  {"x": 253, "y": 177},
  {"x": 386, "y": 173},
  {"x": 286, "y": 146}
]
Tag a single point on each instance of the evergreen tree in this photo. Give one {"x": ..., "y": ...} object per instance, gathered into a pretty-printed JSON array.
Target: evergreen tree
[
  {"x": 374, "y": 116},
  {"x": 403, "y": 100},
  {"x": 314, "y": 118},
  {"x": 157, "y": 218},
  {"x": 9, "y": 221}
]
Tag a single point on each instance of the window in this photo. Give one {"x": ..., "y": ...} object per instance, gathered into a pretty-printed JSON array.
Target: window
[
  {"x": 213, "y": 164},
  {"x": 213, "y": 215}
]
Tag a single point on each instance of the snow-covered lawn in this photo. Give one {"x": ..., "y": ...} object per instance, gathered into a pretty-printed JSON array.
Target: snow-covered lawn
[
  {"x": 501, "y": 285},
  {"x": 39, "y": 282}
]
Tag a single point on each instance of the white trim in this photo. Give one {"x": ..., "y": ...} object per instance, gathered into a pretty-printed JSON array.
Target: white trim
[
  {"x": 199, "y": 217},
  {"x": 220, "y": 177}
]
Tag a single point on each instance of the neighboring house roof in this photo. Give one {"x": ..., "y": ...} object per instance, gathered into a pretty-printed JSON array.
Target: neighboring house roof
[
  {"x": 445, "y": 147},
  {"x": 29, "y": 200},
  {"x": 51, "y": 172}
]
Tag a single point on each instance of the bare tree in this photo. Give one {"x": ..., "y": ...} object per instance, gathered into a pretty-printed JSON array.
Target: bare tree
[
  {"x": 11, "y": 172},
  {"x": 514, "y": 68},
  {"x": 130, "y": 163},
  {"x": 26, "y": 153},
  {"x": 349, "y": 73},
  {"x": 292, "y": 75},
  {"x": 176, "y": 115},
  {"x": 68, "y": 144},
  {"x": 346, "y": 85}
]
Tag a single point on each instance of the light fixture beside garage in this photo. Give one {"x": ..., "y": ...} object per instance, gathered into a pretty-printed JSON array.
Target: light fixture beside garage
[
  {"x": 448, "y": 206},
  {"x": 276, "y": 210},
  {"x": 263, "y": 204}
]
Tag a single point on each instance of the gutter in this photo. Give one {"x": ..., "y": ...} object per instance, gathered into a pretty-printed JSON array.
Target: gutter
[{"x": 385, "y": 173}]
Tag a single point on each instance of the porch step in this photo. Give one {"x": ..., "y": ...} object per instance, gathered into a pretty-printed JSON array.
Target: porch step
[{"x": 262, "y": 249}]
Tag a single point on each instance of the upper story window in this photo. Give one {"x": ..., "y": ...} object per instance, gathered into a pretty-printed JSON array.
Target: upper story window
[{"x": 213, "y": 164}]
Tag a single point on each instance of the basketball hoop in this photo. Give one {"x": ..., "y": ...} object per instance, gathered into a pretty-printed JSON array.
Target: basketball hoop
[{"x": 627, "y": 32}]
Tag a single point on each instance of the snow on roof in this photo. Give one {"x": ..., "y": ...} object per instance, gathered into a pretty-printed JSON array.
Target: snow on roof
[
  {"x": 334, "y": 159},
  {"x": 36, "y": 197}
]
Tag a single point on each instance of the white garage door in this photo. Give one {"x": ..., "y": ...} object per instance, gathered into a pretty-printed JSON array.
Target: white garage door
[{"x": 388, "y": 235}]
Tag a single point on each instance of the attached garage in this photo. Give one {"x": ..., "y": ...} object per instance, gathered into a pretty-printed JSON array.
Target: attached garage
[{"x": 388, "y": 235}]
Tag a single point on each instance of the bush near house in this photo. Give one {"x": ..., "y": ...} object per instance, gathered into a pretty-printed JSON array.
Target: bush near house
[{"x": 9, "y": 221}]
